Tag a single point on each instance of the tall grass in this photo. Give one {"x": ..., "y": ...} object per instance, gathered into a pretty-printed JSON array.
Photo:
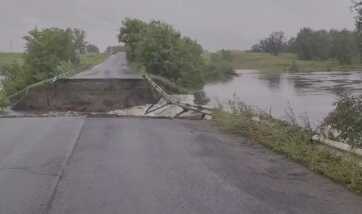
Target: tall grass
[
  {"x": 89, "y": 60},
  {"x": 9, "y": 58},
  {"x": 292, "y": 141},
  {"x": 347, "y": 120}
]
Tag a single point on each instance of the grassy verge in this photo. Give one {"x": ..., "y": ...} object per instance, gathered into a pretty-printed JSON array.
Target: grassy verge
[
  {"x": 89, "y": 60},
  {"x": 9, "y": 58},
  {"x": 285, "y": 62},
  {"x": 295, "y": 143},
  {"x": 86, "y": 60}
]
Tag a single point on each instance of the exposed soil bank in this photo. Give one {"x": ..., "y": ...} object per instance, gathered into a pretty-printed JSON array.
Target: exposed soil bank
[{"x": 87, "y": 95}]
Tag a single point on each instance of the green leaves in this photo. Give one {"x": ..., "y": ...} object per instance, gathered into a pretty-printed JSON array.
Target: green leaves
[
  {"x": 322, "y": 45},
  {"x": 48, "y": 48},
  {"x": 274, "y": 44},
  {"x": 49, "y": 52},
  {"x": 17, "y": 77},
  {"x": 347, "y": 118},
  {"x": 131, "y": 33},
  {"x": 3, "y": 100},
  {"x": 164, "y": 51}
]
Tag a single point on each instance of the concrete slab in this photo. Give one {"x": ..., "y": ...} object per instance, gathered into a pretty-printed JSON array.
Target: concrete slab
[{"x": 161, "y": 109}]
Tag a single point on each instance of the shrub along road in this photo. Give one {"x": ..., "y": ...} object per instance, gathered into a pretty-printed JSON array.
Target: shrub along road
[{"x": 134, "y": 165}]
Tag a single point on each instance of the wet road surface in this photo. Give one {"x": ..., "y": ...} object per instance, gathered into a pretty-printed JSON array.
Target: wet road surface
[
  {"x": 115, "y": 67},
  {"x": 134, "y": 165}
]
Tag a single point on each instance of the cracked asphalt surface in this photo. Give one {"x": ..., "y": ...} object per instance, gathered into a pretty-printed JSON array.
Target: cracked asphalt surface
[{"x": 134, "y": 165}]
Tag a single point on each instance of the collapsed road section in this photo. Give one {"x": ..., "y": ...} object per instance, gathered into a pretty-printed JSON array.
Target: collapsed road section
[
  {"x": 108, "y": 86},
  {"x": 111, "y": 88}
]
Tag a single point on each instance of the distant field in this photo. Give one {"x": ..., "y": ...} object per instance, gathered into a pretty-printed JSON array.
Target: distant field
[
  {"x": 8, "y": 58},
  {"x": 89, "y": 60},
  {"x": 86, "y": 60},
  {"x": 284, "y": 62}
]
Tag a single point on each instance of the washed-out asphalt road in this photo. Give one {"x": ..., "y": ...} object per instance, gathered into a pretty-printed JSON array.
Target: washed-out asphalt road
[
  {"x": 114, "y": 67},
  {"x": 153, "y": 166}
]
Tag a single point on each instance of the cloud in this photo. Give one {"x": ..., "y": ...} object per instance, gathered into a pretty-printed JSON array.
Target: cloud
[{"x": 215, "y": 24}]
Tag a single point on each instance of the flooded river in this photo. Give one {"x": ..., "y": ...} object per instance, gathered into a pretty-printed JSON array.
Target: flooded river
[{"x": 310, "y": 95}]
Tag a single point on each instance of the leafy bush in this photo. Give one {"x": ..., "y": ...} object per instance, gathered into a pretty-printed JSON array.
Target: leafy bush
[
  {"x": 131, "y": 33},
  {"x": 3, "y": 100},
  {"x": 47, "y": 51},
  {"x": 274, "y": 44},
  {"x": 16, "y": 77},
  {"x": 9, "y": 58},
  {"x": 294, "y": 66},
  {"x": 322, "y": 45},
  {"x": 347, "y": 119},
  {"x": 90, "y": 48},
  {"x": 219, "y": 66}
]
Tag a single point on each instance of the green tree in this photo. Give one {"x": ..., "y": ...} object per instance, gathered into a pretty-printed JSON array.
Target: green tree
[
  {"x": 163, "y": 51},
  {"x": 79, "y": 36},
  {"x": 219, "y": 66},
  {"x": 90, "y": 48},
  {"x": 17, "y": 77},
  {"x": 357, "y": 9},
  {"x": 343, "y": 46},
  {"x": 313, "y": 45},
  {"x": 46, "y": 49},
  {"x": 347, "y": 119},
  {"x": 291, "y": 45},
  {"x": 131, "y": 33},
  {"x": 3, "y": 100},
  {"x": 274, "y": 44}
]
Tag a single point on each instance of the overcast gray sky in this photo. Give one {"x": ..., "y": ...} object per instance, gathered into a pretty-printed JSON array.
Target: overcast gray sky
[{"x": 216, "y": 24}]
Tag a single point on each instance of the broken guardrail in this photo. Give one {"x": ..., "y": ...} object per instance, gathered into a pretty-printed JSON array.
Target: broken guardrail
[
  {"x": 170, "y": 100},
  {"x": 337, "y": 145}
]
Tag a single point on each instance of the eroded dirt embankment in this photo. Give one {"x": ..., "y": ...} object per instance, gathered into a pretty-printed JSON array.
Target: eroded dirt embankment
[{"x": 87, "y": 95}]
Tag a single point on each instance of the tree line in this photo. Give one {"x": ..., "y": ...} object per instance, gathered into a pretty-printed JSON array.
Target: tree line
[
  {"x": 310, "y": 44},
  {"x": 345, "y": 46}
]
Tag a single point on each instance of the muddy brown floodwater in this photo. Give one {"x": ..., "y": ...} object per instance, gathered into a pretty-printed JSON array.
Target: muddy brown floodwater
[{"x": 310, "y": 95}]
